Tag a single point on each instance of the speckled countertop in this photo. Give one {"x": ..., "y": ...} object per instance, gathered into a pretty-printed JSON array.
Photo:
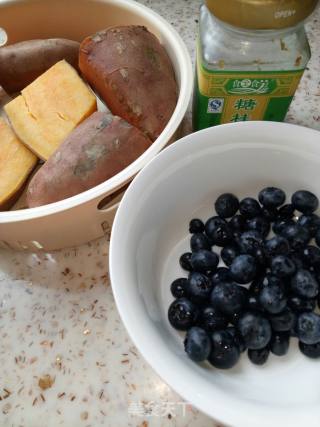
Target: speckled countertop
[{"x": 65, "y": 358}]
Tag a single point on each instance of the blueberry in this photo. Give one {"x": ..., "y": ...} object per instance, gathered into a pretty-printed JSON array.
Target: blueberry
[
  {"x": 218, "y": 231},
  {"x": 282, "y": 266},
  {"x": 272, "y": 299},
  {"x": 305, "y": 201},
  {"x": 178, "y": 287},
  {"x": 249, "y": 242},
  {"x": 263, "y": 281},
  {"x": 311, "y": 256},
  {"x": 276, "y": 246},
  {"x": 272, "y": 197},
  {"x": 281, "y": 224},
  {"x": 236, "y": 237},
  {"x": 253, "y": 303},
  {"x": 304, "y": 284},
  {"x": 243, "y": 268},
  {"x": 237, "y": 223},
  {"x": 311, "y": 222},
  {"x": 271, "y": 279},
  {"x": 249, "y": 207},
  {"x": 260, "y": 256},
  {"x": 286, "y": 212},
  {"x": 283, "y": 321},
  {"x": 228, "y": 254},
  {"x": 297, "y": 236},
  {"x": 259, "y": 224},
  {"x": 255, "y": 330},
  {"x": 259, "y": 357},
  {"x": 225, "y": 353},
  {"x": 182, "y": 314},
  {"x": 212, "y": 320},
  {"x": 256, "y": 286},
  {"x": 279, "y": 343},
  {"x": 184, "y": 261},
  {"x": 300, "y": 305},
  {"x": 196, "y": 226},
  {"x": 234, "y": 318},
  {"x": 297, "y": 259},
  {"x": 212, "y": 224},
  {"x": 310, "y": 350},
  {"x": 199, "y": 241},
  {"x": 228, "y": 298},
  {"x": 204, "y": 261},
  {"x": 198, "y": 287},
  {"x": 317, "y": 238},
  {"x": 226, "y": 205},
  {"x": 220, "y": 276},
  {"x": 237, "y": 338},
  {"x": 293, "y": 332},
  {"x": 197, "y": 344},
  {"x": 308, "y": 328},
  {"x": 270, "y": 214}
]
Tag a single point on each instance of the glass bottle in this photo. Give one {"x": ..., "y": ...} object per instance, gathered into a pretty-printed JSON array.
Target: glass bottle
[{"x": 250, "y": 59}]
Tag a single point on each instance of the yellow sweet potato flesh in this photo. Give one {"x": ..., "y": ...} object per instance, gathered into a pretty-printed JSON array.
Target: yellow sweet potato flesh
[
  {"x": 16, "y": 163},
  {"x": 50, "y": 108}
]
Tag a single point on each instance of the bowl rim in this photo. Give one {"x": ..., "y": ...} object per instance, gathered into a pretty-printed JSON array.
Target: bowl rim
[
  {"x": 221, "y": 406},
  {"x": 124, "y": 176}
]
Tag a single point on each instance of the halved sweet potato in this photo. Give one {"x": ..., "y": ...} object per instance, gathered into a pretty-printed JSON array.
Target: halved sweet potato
[
  {"x": 16, "y": 163},
  {"x": 132, "y": 72},
  {"x": 23, "y": 62},
  {"x": 97, "y": 149},
  {"x": 50, "y": 108}
]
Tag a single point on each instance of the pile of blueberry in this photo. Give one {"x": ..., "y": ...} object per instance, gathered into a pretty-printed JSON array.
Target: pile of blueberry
[{"x": 267, "y": 291}]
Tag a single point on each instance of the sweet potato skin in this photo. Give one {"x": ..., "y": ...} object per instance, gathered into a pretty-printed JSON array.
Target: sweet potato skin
[
  {"x": 96, "y": 150},
  {"x": 4, "y": 99},
  {"x": 23, "y": 62},
  {"x": 131, "y": 71}
]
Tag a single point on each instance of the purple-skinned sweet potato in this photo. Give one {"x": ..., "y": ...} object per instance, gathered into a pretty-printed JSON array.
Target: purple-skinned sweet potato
[
  {"x": 132, "y": 72},
  {"x": 99, "y": 148}
]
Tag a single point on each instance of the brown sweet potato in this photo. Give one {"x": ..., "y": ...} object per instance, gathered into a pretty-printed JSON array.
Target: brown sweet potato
[
  {"x": 97, "y": 149},
  {"x": 23, "y": 62},
  {"x": 4, "y": 99},
  {"x": 131, "y": 71}
]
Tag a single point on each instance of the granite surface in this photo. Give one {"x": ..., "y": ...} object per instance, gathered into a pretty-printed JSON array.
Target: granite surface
[{"x": 65, "y": 358}]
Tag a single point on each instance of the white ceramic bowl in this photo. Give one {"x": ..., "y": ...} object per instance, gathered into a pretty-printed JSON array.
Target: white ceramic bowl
[
  {"x": 80, "y": 218},
  {"x": 151, "y": 231}
]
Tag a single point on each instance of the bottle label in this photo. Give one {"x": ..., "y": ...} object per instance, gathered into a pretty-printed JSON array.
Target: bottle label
[{"x": 226, "y": 97}]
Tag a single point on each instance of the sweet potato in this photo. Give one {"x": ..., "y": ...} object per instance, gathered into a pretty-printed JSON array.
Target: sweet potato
[
  {"x": 4, "y": 99},
  {"x": 50, "y": 108},
  {"x": 23, "y": 62},
  {"x": 16, "y": 163},
  {"x": 97, "y": 149},
  {"x": 131, "y": 71}
]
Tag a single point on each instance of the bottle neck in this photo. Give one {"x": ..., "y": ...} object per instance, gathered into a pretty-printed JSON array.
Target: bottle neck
[{"x": 250, "y": 34}]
